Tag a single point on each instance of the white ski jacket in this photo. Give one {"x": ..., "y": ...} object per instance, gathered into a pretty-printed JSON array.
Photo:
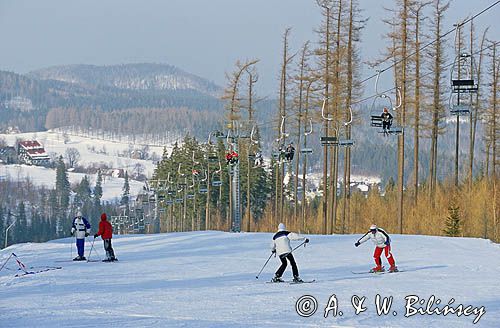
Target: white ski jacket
[
  {"x": 281, "y": 241},
  {"x": 80, "y": 226},
  {"x": 379, "y": 238}
]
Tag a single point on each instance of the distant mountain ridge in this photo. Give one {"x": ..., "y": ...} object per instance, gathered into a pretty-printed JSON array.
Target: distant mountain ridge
[
  {"x": 143, "y": 76},
  {"x": 27, "y": 101}
]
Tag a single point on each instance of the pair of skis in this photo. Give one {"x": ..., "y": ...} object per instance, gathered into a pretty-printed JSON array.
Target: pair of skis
[
  {"x": 25, "y": 272},
  {"x": 291, "y": 282},
  {"x": 375, "y": 272}
]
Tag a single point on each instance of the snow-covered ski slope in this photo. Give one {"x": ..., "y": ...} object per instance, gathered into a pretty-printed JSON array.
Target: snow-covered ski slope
[{"x": 207, "y": 279}]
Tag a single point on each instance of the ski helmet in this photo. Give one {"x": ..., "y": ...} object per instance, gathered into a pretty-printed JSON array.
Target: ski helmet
[
  {"x": 281, "y": 227},
  {"x": 373, "y": 227}
]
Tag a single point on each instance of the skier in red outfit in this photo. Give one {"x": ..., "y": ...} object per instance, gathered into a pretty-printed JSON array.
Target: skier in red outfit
[
  {"x": 232, "y": 157},
  {"x": 383, "y": 243},
  {"x": 106, "y": 232}
]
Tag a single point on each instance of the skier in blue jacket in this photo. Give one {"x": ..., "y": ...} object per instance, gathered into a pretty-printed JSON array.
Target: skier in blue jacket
[{"x": 81, "y": 229}]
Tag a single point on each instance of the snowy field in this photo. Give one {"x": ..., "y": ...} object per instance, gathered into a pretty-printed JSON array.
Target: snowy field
[
  {"x": 53, "y": 141},
  {"x": 207, "y": 279},
  {"x": 40, "y": 176}
]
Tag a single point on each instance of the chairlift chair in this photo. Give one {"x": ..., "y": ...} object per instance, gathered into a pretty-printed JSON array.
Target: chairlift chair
[
  {"x": 376, "y": 120},
  {"x": 460, "y": 110},
  {"x": 216, "y": 180},
  {"x": 329, "y": 141},
  {"x": 462, "y": 74},
  {"x": 346, "y": 142}
]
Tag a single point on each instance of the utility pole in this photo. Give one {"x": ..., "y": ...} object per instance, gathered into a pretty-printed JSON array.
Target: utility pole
[{"x": 8, "y": 228}]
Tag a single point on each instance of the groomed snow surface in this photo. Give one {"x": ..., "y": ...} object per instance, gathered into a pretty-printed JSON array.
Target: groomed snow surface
[{"x": 207, "y": 279}]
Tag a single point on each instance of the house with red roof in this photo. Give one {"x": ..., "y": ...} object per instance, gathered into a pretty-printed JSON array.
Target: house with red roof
[{"x": 31, "y": 152}]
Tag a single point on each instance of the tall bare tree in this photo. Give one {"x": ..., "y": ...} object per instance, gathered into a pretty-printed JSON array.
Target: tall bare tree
[
  {"x": 436, "y": 53},
  {"x": 477, "y": 107},
  {"x": 301, "y": 79},
  {"x": 352, "y": 90},
  {"x": 281, "y": 126},
  {"x": 416, "y": 12},
  {"x": 234, "y": 105},
  {"x": 324, "y": 61},
  {"x": 253, "y": 77}
]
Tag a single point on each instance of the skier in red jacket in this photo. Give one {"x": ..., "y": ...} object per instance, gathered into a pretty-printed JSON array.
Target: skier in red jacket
[{"x": 106, "y": 233}]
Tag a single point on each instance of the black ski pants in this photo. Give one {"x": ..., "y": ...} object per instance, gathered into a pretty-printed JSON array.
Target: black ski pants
[
  {"x": 110, "y": 254},
  {"x": 282, "y": 268}
]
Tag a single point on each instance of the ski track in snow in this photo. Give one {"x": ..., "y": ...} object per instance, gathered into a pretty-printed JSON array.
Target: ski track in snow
[{"x": 207, "y": 279}]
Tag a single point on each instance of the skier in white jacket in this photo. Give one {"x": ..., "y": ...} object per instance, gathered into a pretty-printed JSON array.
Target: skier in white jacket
[
  {"x": 80, "y": 228},
  {"x": 281, "y": 246},
  {"x": 382, "y": 242}
]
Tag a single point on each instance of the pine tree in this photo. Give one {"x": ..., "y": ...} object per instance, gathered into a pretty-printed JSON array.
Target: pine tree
[
  {"x": 21, "y": 225},
  {"x": 62, "y": 185},
  {"x": 83, "y": 199},
  {"x": 97, "y": 208},
  {"x": 62, "y": 193},
  {"x": 98, "y": 189},
  {"x": 83, "y": 192},
  {"x": 126, "y": 194},
  {"x": 453, "y": 221},
  {"x": 2, "y": 227}
]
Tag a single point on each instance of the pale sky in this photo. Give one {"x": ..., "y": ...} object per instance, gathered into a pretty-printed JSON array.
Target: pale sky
[{"x": 203, "y": 37}]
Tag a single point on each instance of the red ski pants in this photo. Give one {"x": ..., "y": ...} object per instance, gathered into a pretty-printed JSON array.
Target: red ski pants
[{"x": 388, "y": 254}]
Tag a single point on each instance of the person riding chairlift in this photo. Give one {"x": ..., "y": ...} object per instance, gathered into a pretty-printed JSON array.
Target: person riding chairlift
[
  {"x": 289, "y": 152},
  {"x": 259, "y": 160},
  {"x": 232, "y": 157},
  {"x": 386, "y": 121}
]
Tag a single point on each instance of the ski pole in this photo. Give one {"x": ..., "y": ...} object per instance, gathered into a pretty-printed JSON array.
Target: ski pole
[
  {"x": 91, "y": 247},
  {"x": 96, "y": 252},
  {"x": 303, "y": 243},
  {"x": 257, "y": 276},
  {"x": 6, "y": 261}
]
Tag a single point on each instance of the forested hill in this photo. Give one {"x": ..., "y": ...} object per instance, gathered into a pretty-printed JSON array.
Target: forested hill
[
  {"x": 27, "y": 100},
  {"x": 130, "y": 77}
]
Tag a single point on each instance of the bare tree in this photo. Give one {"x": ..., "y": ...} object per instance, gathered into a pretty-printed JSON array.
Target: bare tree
[
  {"x": 437, "y": 55},
  {"x": 477, "y": 107},
  {"x": 324, "y": 62},
  {"x": 416, "y": 11},
  {"x": 72, "y": 156},
  {"x": 138, "y": 170},
  {"x": 281, "y": 127},
  {"x": 233, "y": 107}
]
